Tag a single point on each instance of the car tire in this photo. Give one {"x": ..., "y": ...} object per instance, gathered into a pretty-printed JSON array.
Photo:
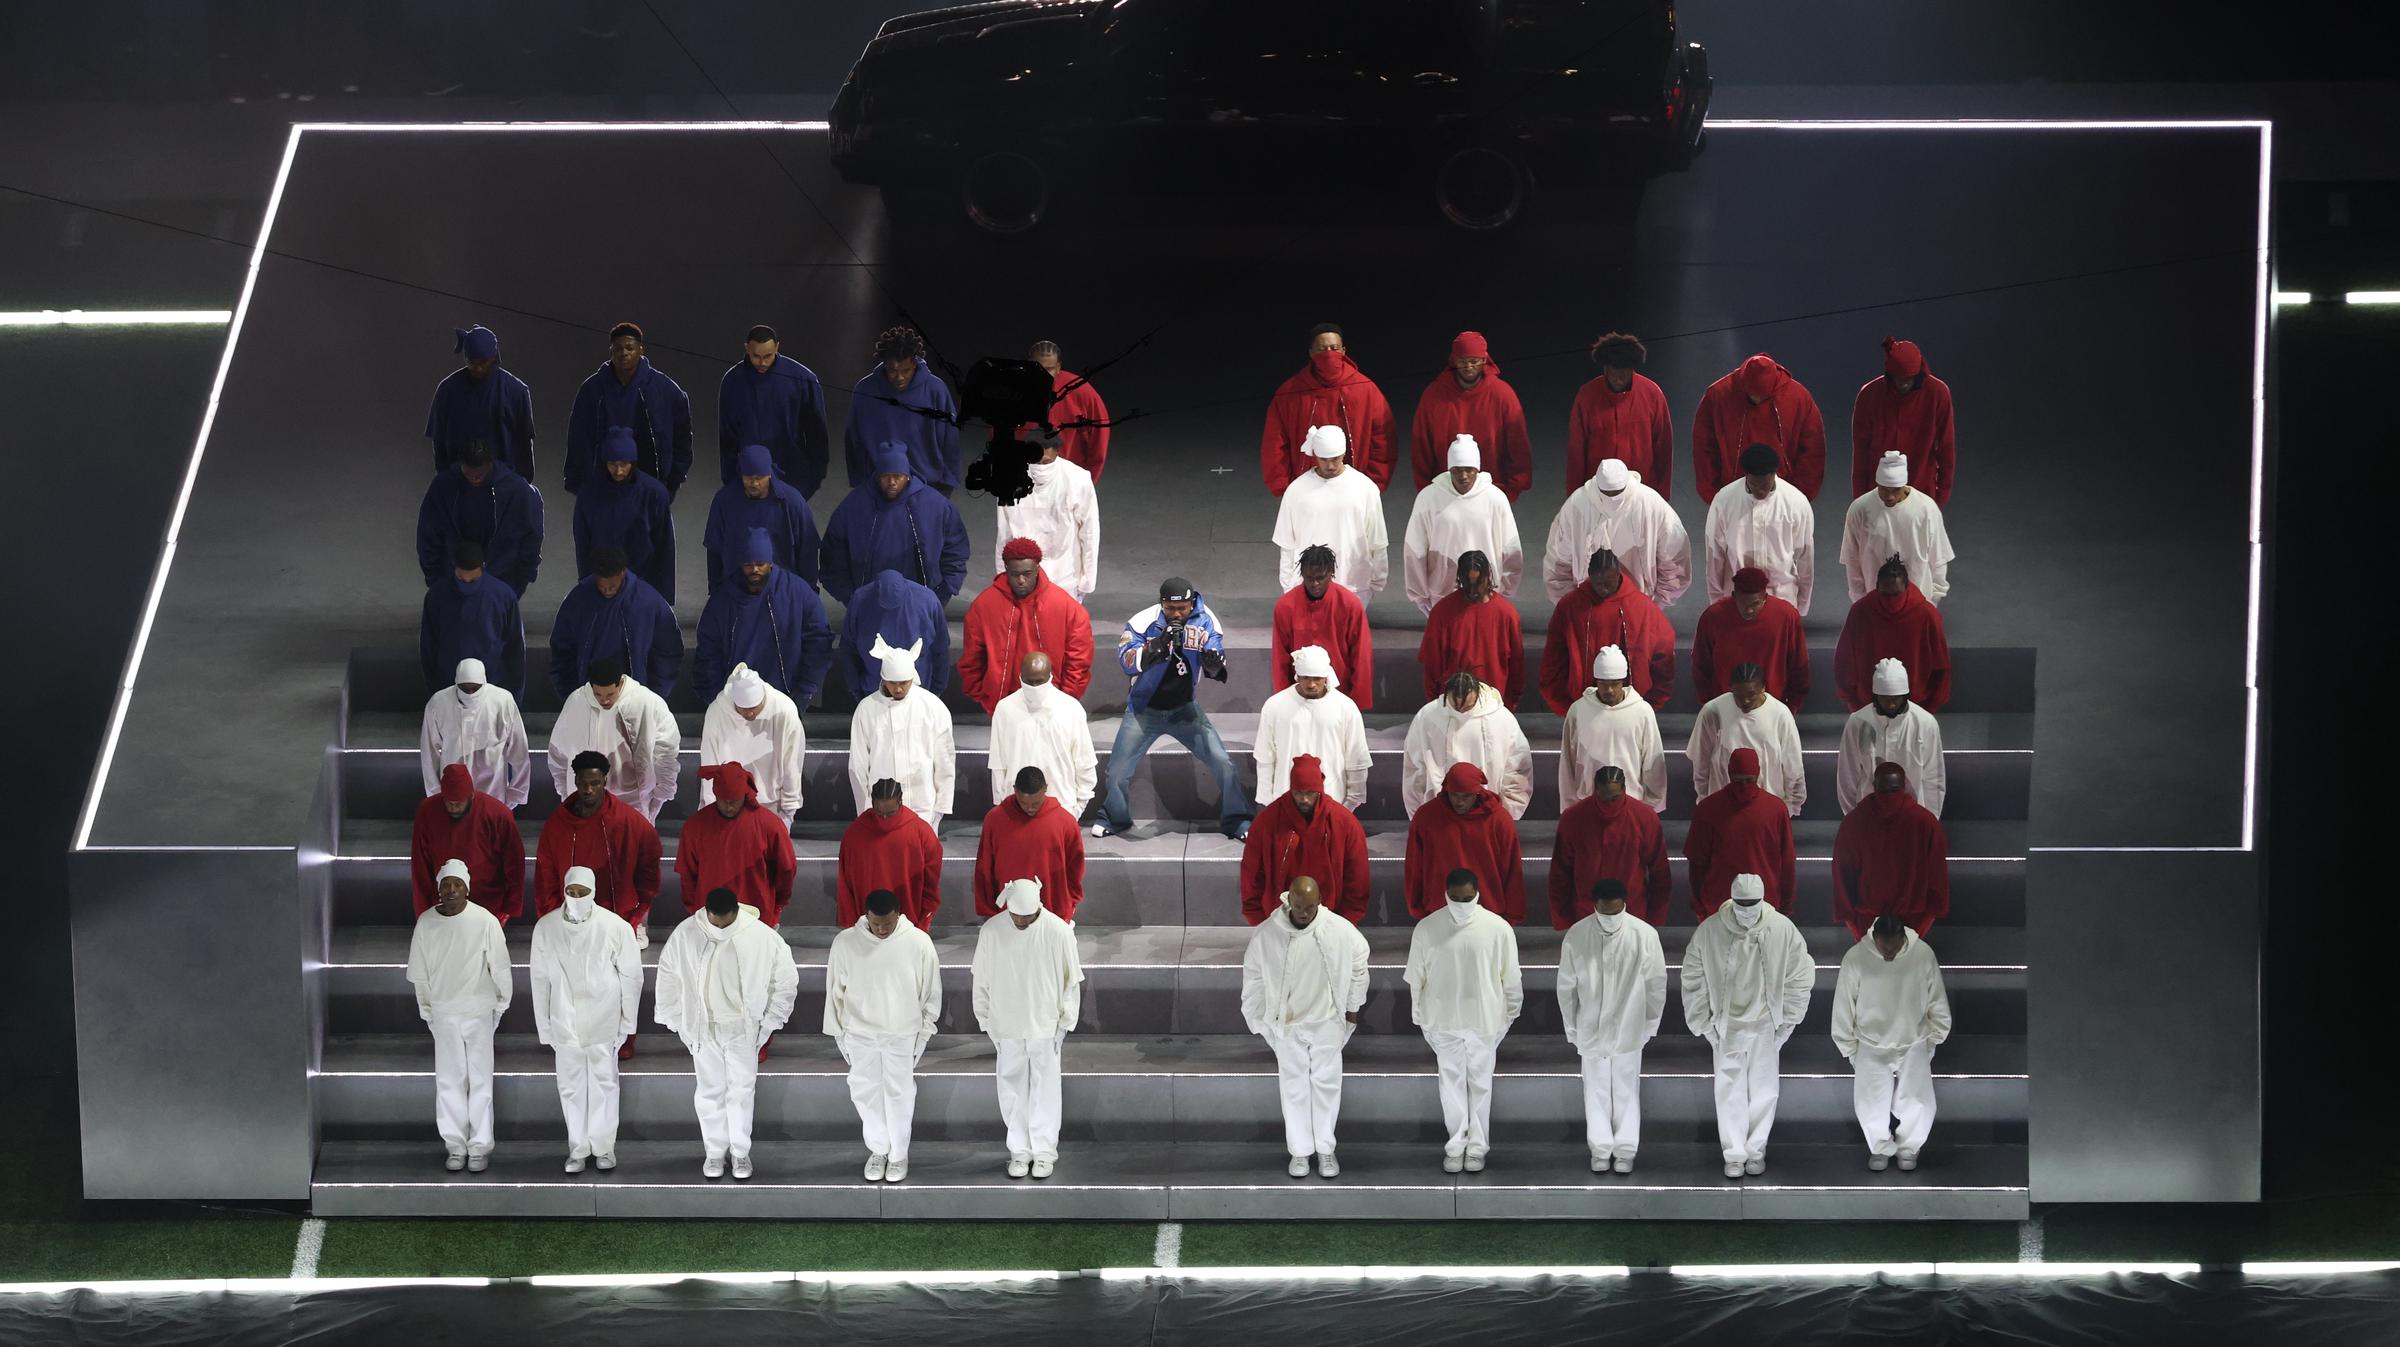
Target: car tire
[
  {"x": 1008, "y": 191},
  {"x": 1481, "y": 189}
]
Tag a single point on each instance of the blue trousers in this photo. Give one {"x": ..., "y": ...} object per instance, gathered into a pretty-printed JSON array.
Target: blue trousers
[{"x": 1189, "y": 726}]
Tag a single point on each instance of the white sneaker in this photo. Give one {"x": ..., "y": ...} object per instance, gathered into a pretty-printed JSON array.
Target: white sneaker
[
  {"x": 876, "y": 1166},
  {"x": 604, "y": 1163},
  {"x": 1908, "y": 1160},
  {"x": 1475, "y": 1162},
  {"x": 574, "y": 1164},
  {"x": 896, "y": 1170},
  {"x": 454, "y": 1163},
  {"x": 741, "y": 1166},
  {"x": 1298, "y": 1168},
  {"x": 1879, "y": 1163},
  {"x": 1019, "y": 1165},
  {"x": 1599, "y": 1164},
  {"x": 1756, "y": 1164},
  {"x": 1327, "y": 1166},
  {"x": 1623, "y": 1164},
  {"x": 476, "y": 1164},
  {"x": 1451, "y": 1164},
  {"x": 1042, "y": 1165},
  {"x": 713, "y": 1167},
  {"x": 1100, "y": 830},
  {"x": 1733, "y": 1169}
]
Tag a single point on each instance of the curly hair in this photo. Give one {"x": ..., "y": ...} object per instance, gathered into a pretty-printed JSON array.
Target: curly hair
[{"x": 898, "y": 343}]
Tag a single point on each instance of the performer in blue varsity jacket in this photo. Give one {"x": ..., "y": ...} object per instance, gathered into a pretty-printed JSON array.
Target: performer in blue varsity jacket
[{"x": 1165, "y": 650}]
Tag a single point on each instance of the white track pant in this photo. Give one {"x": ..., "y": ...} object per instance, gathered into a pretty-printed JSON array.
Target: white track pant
[
  {"x": 1308, "y": 1071},
  {"x": 587, "y": 1095},
  {"x": 1465, "y": 1062},
  {"x": 883, "y": 1087},
  {"x": 725, "y": 1063},
  {"x": 1027, "y": 1073},
  {"x": 1749, "y": 1079},
  {"x": 1893, "y": 1084},
  {"x": 462, "y": 1081},
  {"x": 1612, "y": 1103}
]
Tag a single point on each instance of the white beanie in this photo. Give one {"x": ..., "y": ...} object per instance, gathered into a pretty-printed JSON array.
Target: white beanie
[
  {"x": 579, "y": 874},
  {"x": 470, "y": 671},
  {"x": 899, "y": 665},
  {"x": 1327, "y": 441},
  {"x": 1892, "y": 469},
  {"x": 1748, "y": 886},
  {"x": 1311, "y": 661},
  {"x": 1021, "y": 897},
  {"x": 453, "y": 869},
  {"x": 1464, "y": 453},
  {"x": 1609, "y": 663},
  {"x": 745, "y": 687},
  {"x": 1612, "y": 475},
  {"x": 1891, "y": 678}
]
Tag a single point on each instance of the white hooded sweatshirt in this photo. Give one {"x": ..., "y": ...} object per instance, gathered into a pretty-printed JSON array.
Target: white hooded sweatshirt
[
  {"x": 483, "y": 730},
  {"x": 1344, "y": 513},
  {"x": 1637, "y": 524},
  {"x": 908, "y": 741},
  {"x": 1754, "y": 978},
  {"x": 459, "y": 965},
  {"x": 1913, "y": 739},
  {"x": 1889, "y": 1007},
  {"x": 1778, "y": 535},
  {"x": 587, "y": 976},
  {"x": 887, "y": 988},
  {"x": 1445, "y": 525},
  {"x": 638, "y": 736},
  {"x": 1872, "y": 531},
  {"x": 1462, "y": 971},
  {"x": 1039, "y": 726},
  {"x": 1722, "y": 726},
  {"x": 773, "y": 745},
  {"x": 1612, "y": 984},
  {"x": 1027, "y": 982},
  {"x": 1487, "y": 735},
  {"x": 1293, "y": 976},
  {"x": 1330, "y": 727},
  {"x": 1598, "y": 735},
  {"x": 738, "y": 978},
  {"x": 1063, "y": 515}
]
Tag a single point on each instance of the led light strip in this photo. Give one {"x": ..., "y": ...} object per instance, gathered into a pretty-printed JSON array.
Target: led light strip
[{"x": 116, "y": 318}]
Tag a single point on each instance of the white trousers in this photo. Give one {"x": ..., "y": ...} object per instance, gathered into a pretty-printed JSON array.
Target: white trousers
[
  {"x": 883, "y": 1088},
  {"x": 1465, "y": 1061},
  {"x": 1027, "y": 1073},
  {"x": 462, "y": 1081},
  {"x": 1308, "y": 1072},
  {"x": 1749, "y": 1079},
  {"x": 1885, "y": 1085},
  {"x": 587, "y": 1095},
  {"x": 725, "y": 1063},
  {"x": 1612, "y": 1103}
]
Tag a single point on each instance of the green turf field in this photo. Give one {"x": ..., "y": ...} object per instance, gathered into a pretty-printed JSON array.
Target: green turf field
[{"x": 48, "y": 1233}]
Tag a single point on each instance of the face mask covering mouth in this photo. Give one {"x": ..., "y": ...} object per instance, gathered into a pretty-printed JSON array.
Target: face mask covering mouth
[
  {"x": 719, "y": 934},
  {"x": 1609, "y": 921},
  {"x": 1328, "y": 364},
  {"x": 579, "y": 910},
  {"x": 1745, "y": 915},
  {"x": 1462, "y": 913}
]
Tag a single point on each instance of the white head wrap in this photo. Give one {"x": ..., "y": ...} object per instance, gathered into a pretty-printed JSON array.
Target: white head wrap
[
  {"x": 470, "y": 671},
  {"x": 1021, "y": 897},
  {"x": 1613, "y": 475},
  {"x": 579, "y": 874},
  {"x": 1311, "y": 661},
  {"x": 1465, "y": 453},
  {"x": 453, "y": 869},
  {"x": 1891, "y": 678},
  {"x": 1327, "y": 441},
  {"x": 899, "y": 666},
  {"x": 745, "y": 687},
  {"x": 1748, "y": 886},
  {"x": 1609, "y": 663},
  {"x": 1892, "y": 469}
]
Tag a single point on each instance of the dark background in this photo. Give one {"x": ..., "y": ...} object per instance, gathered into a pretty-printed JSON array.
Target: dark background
[{"x": 142, "y": 140}]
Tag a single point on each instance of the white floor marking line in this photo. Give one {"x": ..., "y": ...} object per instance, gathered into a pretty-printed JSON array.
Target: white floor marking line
[
  {"x": 1169, "y": 1250},
  {"x": 308, "y": 1249},
  {"x": 2029, "y": 1241}
]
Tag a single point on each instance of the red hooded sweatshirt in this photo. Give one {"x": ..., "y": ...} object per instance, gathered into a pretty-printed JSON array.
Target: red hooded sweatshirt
[
  {"x": 1047, "y": 847},
  {"x": 1741, "y": 830},
  {"x": 1786, "y": 417},
  {"x": 1488, "y": 410},
  {"x": 1338, "y": 622},
  {"x": 750, "y": 853},
  {"x": 1330, "y": 391},
  {"x": 1627, "y": 619},
  {"x": 1890, "y": 858},
  {"x": 1615, "y": 839},
  {"x": 485, "y": 837},
  {"x": 1002, "y": 629},
  {"x": 1329, "y": 847},
  {"x": 1903, "y": 627},
  {"x": 1485, "y": 639},
  {"x": 1084, "y": 445},
  {"x": 619, "y": 845},
  {"x": 1633, "y": 425},
  {"x": 1919, "y": 424},
  {"x": 1773, "y": 641},
  {"x": 897, "y": 851},
  {"x": 1482, "y": 840}
]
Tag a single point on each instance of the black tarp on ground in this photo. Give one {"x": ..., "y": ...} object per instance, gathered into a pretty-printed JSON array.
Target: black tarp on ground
[{"x": 1652, "y": 1310}]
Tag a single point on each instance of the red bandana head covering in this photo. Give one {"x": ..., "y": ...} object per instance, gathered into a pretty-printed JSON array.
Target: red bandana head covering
[
  {"x": 1758, "y": 377},
  {"x": 1021, "y": 549},
  {"x": 1742, "y": 762},
  {"x": 1749, "y": 580},
  {"x": 1902, "y": 359},
  {"x": 1469, "y": 346},
  {"x": 458, "y": 784},
  {"x": 1308, "y": 773},
  {"x": 731, "y": 781}
]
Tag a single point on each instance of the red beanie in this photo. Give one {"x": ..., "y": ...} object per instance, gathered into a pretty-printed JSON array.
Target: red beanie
[
  {"x": 1020, "y": 549},
  {"x": 1742, "y": 762},
  {"x": 458, "y": 784},
  {"x": 1902, "y": 359},
  {"x": 1758, "y": 377},
  {"x": 1749, "y": 580},
  {"x": 1469, "y": 346},
  {"x": 1308, "y": 773}
]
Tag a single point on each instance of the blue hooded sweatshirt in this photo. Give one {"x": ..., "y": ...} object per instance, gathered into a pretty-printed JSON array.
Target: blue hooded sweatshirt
[
  {"x": 780, "y": 632},
  {"x": 633, "y": 514},
  {"x": 637, "y": 627},
  {"x": 880, "y": 416},
  {"x": 783, "y": 409},
  {"x": 471, "y": 619},
  {"x": 901, "y": 611},
  {"x": 656, "y": 408},
  {"x": 498, "y": 410},
  {"x": 783, "y": 514},
  {"x": 919, "y": 535},
  {"x": 504, "y": 514}
]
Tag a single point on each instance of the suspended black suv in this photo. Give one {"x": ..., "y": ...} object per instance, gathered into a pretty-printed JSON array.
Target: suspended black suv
[{"x": 1011, "y": 113}]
